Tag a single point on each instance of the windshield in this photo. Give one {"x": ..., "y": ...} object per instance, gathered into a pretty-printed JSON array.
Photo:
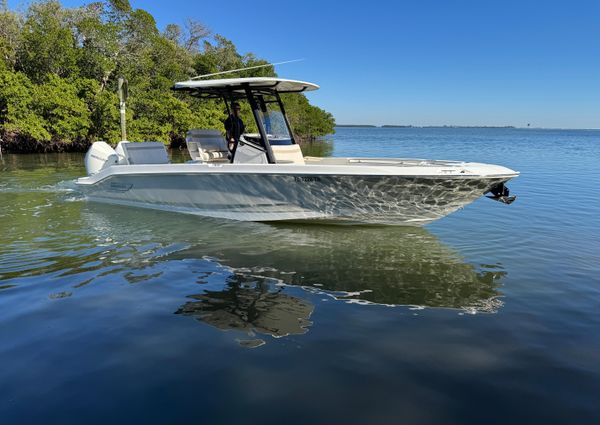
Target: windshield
[{"x": 275, "y": 125}]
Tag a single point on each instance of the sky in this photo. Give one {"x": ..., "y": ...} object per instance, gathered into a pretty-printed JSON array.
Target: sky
[{"x": 421, "y": 62}]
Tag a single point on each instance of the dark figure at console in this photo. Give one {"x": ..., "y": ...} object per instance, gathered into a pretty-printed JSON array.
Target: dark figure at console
[{"x": 234, "y": 127}]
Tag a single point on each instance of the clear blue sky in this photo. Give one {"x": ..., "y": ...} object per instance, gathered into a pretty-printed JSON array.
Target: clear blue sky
[{"x": 422, "y": 62}]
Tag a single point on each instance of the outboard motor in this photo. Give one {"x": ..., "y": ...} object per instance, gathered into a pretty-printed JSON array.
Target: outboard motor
[
  {"x": 100, "y": 156},
  {"x": 501, "y": 193}
]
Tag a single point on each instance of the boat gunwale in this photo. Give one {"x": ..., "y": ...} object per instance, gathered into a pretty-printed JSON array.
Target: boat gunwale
[{"x": 216, "y": 170}]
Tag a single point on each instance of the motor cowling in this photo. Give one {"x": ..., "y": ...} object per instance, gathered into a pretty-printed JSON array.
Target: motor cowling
[
  {"x": 501, "y": 193},
  {"x": 100, "y": 156}
]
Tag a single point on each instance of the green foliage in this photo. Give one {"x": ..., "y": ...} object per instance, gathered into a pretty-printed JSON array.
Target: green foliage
[
  {"x": 120, "y": 6},
  {"x": 160, "y": 116},
  {"x": 48, "y": 43},
  {"x": 17, "y": 102},
  {"x": 104, "y": 116},
  {"x": 306, "y": 120},
  {"x": 221, "y": 55},
  {"x": 10, "y": 37},
  {"x": 99, "y": 44},
  {"x": 59, "y": 69},
  {"x": 67, "y": 117}
]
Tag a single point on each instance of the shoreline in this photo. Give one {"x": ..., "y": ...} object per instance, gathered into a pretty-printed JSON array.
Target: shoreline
[
  {"x": 459, "y": 127},
  {"x": 30, "y": 146}
]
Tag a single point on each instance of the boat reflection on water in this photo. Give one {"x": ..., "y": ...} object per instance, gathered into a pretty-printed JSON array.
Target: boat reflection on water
[
  {"x": 251, "y": 305},
  {"x": 365, "y": 265},
  {"x": 391, "y": 266}
]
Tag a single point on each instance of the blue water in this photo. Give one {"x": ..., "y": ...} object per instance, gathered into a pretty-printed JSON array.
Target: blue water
[{"x": 490, "y": 315}]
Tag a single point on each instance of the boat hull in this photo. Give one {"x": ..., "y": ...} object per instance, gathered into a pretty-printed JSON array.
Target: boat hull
[{"x": 370, "y": 199}]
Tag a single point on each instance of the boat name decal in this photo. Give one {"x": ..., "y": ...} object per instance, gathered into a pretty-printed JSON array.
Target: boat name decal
[
  {"x": 119, "y": 187},
  {"x": 307, "y": 179}
]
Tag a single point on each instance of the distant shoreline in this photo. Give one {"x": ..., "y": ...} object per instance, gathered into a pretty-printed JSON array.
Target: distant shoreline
[
  {"x": 463, "y": 127},
  {"x": 424, "y": 126}
]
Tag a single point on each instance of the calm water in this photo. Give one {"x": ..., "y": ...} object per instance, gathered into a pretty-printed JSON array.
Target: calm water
[{"x": 491, "y": 315}]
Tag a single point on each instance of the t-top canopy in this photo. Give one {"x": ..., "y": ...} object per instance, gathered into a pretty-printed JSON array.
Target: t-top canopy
[{"x": 238, "y": 86}]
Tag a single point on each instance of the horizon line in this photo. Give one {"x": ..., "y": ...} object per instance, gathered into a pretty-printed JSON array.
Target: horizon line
[{"x": 464, "y": 126}]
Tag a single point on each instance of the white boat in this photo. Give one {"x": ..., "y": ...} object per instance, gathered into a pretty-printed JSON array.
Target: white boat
[{"x": 267, "y": 178}]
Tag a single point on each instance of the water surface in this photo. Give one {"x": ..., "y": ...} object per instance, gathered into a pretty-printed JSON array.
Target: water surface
[{"x": 490, "y": 315}]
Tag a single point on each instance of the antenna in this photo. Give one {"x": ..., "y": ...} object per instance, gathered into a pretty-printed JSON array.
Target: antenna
[
  {"x": 123, "y": 93},
  {"x": 244, "y": 69}
]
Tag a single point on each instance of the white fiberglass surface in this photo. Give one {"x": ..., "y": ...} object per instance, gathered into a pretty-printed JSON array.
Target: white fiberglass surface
[{"x": 367, "y": 199}]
